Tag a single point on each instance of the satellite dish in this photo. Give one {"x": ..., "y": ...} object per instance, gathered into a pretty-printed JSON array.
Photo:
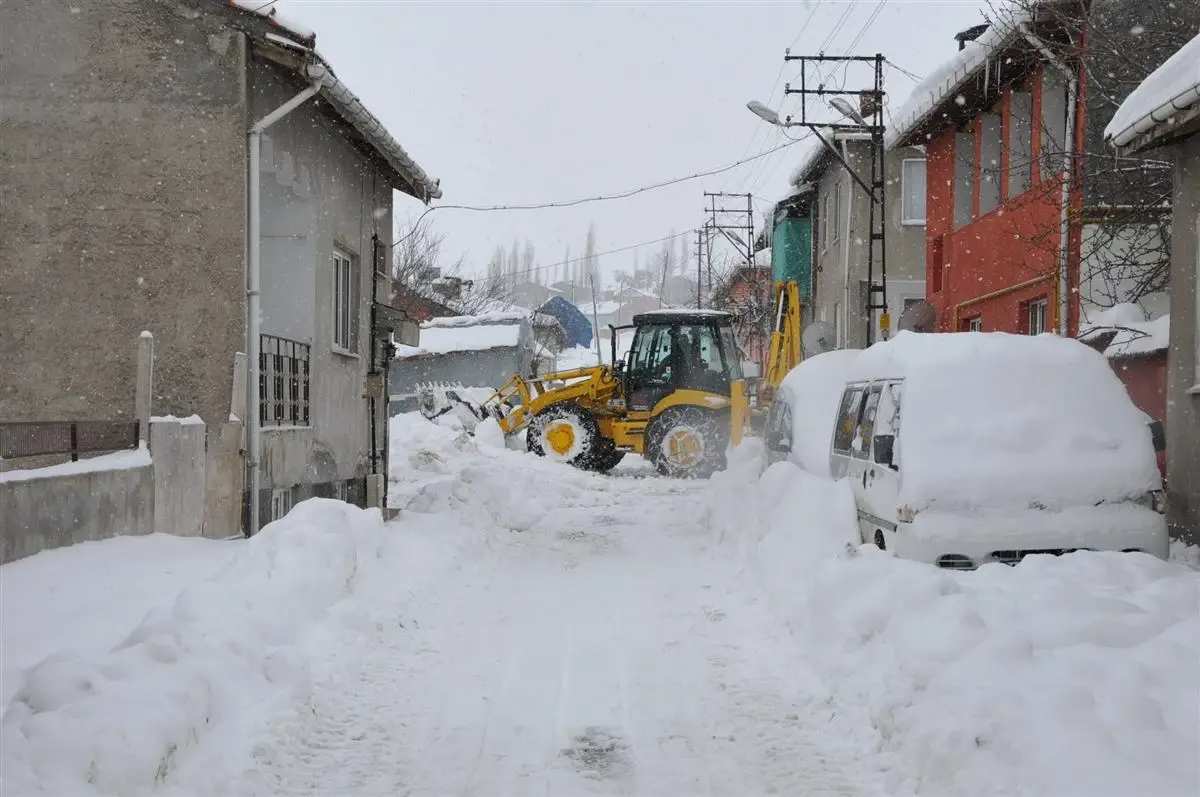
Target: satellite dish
[
  {"x": 919, "y": 317},
  {"x": 818, "y": 338}
]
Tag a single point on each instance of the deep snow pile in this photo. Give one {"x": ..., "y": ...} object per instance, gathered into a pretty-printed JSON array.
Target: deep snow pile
[
  {"x": 191, "y": 675},
  {"x": 813, "y": 389},
  {"x": 968, "y": 424},
  {"x": 86, "y": 597},
  {"x": 1060, "y": 676}
]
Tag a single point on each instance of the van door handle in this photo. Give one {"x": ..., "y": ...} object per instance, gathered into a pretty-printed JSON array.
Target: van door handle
[{"x": 864, "y": 478}]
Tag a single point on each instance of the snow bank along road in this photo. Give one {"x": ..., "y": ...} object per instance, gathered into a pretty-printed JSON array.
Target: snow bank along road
[{"x": 526, "y": 629}]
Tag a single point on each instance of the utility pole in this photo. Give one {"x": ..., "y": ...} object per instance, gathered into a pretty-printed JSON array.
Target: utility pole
[
  {"x": 719, "y": 219},
  {"x": 701, "y": 247},
  {"x": 867, "y": 117}
]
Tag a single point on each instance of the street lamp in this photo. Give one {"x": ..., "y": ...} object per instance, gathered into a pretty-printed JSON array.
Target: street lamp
[
  {"x": 847, "y": 110},
  {"x": 768, "y": 115}
]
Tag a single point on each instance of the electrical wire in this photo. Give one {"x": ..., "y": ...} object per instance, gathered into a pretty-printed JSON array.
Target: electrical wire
[
  {"x": 905, "y": 72},
  {"x": 601, "y": 198}
]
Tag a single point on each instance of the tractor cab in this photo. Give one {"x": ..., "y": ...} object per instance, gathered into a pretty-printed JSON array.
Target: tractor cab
[{"x": 680, "y": 350}]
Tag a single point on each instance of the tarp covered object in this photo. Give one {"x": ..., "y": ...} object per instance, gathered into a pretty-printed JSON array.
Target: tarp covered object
[
  {"x": 791, "y": 253},
  {"x": 571, "y": 319}
]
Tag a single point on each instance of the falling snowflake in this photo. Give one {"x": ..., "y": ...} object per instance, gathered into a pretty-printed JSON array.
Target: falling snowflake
[
  {"x": 960, "y": 100},
  {"x": 1137, "y": 30}
]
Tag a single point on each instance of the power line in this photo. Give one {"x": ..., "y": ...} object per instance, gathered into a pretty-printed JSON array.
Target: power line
[
  {"x": 905, "y": 72},
  {"x": 601, "y": 198}
]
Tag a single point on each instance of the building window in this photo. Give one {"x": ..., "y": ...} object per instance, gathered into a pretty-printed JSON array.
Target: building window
[
  {"x": 990, "y": 126},
  {"x": 912, "y": 187},
  {"x": 281, "y": 503},
  {"x": 1020, "y": 143},
  {"x": 975, "y": 324},
  {"x": 964, "y": 177},
  {"x": 1053, "y": 123},
  {"x": 345, "y": 303},
  {"x": 1036, "y": 315},
  {"x": 341, "y": 491},
  {"x": 283, "y": 381}
]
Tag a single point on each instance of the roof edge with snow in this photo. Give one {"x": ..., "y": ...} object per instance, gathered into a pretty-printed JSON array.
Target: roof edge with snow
[
  {"x": 1166, "y": 101},
  {"x": 300, "y": 43}
]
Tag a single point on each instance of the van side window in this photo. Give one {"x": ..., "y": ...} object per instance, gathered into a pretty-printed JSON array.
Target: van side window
[
  {"x": 847, "y": 419},
  {"x": 887, "y": 419},
  {"x": 866, "y": 424}
]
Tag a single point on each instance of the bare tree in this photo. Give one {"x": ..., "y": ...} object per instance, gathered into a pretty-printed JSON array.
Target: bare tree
[{"x": 418, "y": 266}]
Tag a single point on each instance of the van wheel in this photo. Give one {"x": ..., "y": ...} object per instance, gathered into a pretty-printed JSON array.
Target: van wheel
[
  {"x": 880, "y": 543},
  {"x": 688, "y": 442}
]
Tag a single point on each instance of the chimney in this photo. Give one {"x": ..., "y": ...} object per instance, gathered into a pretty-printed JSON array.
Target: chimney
[{"x": 969, "y": 35}]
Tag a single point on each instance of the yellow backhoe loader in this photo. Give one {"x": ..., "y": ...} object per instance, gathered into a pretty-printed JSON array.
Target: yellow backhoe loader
[{"x": 679, "y": 399}]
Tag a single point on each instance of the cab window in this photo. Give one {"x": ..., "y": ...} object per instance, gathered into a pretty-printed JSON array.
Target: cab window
[
  {"x": 847, "y": 419},
  {"x": 861, "y": 446}
]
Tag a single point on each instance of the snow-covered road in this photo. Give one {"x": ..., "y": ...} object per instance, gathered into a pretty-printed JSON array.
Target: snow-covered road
[
  {"x": 599, "y": 651},
  {"x": 525, "y": 628}
]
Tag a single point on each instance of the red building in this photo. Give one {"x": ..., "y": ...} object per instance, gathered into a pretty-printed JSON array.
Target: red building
[{"x": 993, "y": 120}]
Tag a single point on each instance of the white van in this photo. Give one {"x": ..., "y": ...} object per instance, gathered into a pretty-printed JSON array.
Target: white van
[{"x": 968, "y": 448}]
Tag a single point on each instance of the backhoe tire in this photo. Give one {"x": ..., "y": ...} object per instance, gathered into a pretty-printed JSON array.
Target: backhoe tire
[
  {"x": 607, "y": 457},
  {"x": 688, "y": 442},
  {"x": 565, "y": 433}
]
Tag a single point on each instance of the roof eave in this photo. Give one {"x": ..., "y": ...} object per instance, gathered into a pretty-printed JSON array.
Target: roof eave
[{"x": 1162, "y": 126}]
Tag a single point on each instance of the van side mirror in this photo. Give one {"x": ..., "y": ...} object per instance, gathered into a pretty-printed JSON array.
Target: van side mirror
[
  {"x": 779, "y": 440},
  {"x": 884, "y": 444}
]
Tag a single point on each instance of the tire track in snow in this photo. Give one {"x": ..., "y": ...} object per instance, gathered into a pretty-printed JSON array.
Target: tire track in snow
[{"x": 545, "y": 668}]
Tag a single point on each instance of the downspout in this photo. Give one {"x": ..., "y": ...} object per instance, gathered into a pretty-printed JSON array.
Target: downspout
[
  {"x": 845, "y": 331},
  {"x": 253, "y": 294},
  {"x": 1068, "y": 171}
]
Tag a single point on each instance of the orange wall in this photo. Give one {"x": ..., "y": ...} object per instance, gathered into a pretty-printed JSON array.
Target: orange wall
[{"x": 998, "y": 261}]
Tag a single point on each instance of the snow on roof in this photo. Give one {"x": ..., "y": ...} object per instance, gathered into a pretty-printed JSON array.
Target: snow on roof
[
  {"x": 944, "y": 82},
  {"x": 1146, "y": 337},
  {"x": 602, "y": 308},
  {"x": 466, "y": 333},
  {"x": 343, "y": 100},
  {"x": 815, "y": 151},
  {"x": 1169, "y": 90},
  {"x": 505, "y": 317},
  {"x": 997, "y": 420}
]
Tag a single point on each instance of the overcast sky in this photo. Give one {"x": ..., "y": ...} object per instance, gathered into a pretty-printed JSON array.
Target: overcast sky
[{"x": 511, "y": 102}]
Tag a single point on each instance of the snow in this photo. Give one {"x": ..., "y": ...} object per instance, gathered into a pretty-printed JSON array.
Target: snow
[
  {"x": 813, "y": 390},
  {"x": 86, "y": 597},
  {"x": 268, "y": 10},
  {"x": 1121, "y": 314},
  {"x": 1141, "y": 338},
  {"x": 120, "y": 460},
  {"x": 943, "y": 82},
  {"x": 1172, "y": 88},
  {"x": 191, "y": 420},
  {"x": 1071, "y": 675},
  {"x": 466, "y": 333},
  {"x": 670, "y": 311},
  {"x": 997, "y": 420},
  {"x": 193, "y": 677},
  {"x": 526, "y": 628}
]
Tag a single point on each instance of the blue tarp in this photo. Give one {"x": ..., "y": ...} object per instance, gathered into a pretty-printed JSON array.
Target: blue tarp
[{"x": 574, "y": 323}]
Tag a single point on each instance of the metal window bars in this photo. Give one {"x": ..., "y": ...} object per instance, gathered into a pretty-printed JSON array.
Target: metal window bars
[{"x": 284, "y": 382}]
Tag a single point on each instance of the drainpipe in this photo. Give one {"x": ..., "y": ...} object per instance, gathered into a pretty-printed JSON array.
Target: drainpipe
[
  {"x": 845, "y": 331},
  {"x": 1068, "y": 171},
  {"x": 253, "y": 295}
]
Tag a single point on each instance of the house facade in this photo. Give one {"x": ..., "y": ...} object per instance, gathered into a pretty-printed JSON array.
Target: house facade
[
  {"x": 840, "y": 217},
  {"x": 992, "y": 121},
  {"x": 1163, "y": 116},
  {"x": 144, "y": 224}
]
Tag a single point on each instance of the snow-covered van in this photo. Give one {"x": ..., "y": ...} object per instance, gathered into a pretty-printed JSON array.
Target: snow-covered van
[{"x": 973, "y": 447}]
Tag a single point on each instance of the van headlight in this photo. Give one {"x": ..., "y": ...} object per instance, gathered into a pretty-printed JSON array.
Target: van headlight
[{"x": 1156, "y": 500}]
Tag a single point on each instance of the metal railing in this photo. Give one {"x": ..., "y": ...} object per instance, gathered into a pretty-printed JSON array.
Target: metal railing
[
  {"x": 284, "y": 382},
  {"x": 26, "y": 439}
]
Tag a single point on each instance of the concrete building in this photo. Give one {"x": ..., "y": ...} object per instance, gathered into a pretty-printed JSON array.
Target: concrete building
[
  {"x": 840, "y": 215},
  {"x": 124, "y": 159},
  {"x": 1163, "y": 114}
]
